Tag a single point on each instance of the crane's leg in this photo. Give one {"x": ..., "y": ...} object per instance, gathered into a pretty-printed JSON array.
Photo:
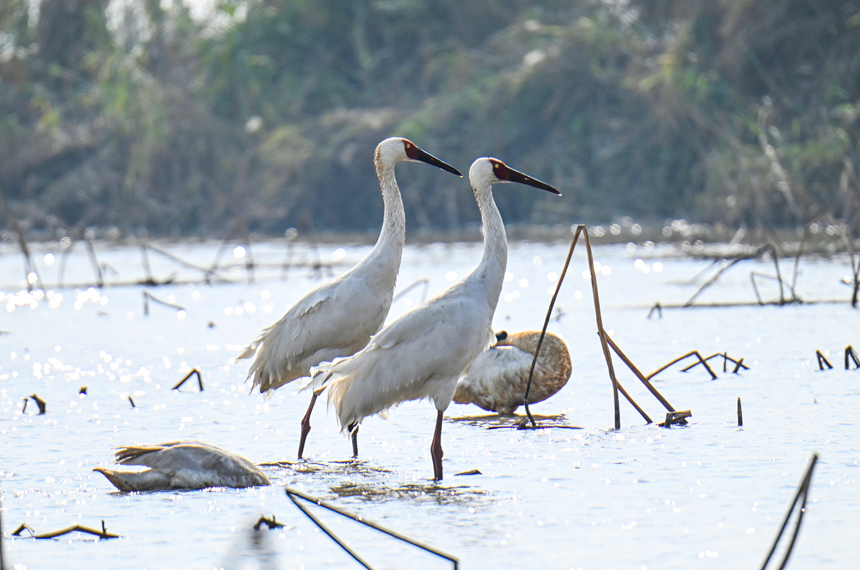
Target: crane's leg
[
  {"x": 306, "y": 421},
  {"x": 306, "y": 424},
  {"x": 353, "y": 429},
  {"x": 436, "y": 448}
]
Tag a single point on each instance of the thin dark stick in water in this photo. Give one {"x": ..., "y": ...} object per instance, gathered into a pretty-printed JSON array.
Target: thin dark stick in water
[
  {"x": 546, "y": 322},
  {"x": 802, "y": 493},
  {"x": 294, "y": 495},
  {"x": 852, "y": 354},
  {"x": 738, "y": 365},
  {"x": 24, "y": 409},
  {"x": 132, "y": 402},
  {"x": 740, "y": 413},
  {"x": 187, "y": 376},
  {"x": 94, "y": 260},
  {"x": 657, "y": 308},
  {"x": 822, "y": 361}
]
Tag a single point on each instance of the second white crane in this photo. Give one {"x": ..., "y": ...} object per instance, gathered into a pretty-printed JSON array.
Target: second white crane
[{"x": 423, "y": 353}]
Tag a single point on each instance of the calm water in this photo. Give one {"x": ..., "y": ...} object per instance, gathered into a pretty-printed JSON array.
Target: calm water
[{"x": 710, "y": 495}]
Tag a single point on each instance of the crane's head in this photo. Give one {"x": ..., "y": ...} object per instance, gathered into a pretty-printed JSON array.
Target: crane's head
[
  {"x": 396, "y": 149},
  {"x": 488, "y": 171}
]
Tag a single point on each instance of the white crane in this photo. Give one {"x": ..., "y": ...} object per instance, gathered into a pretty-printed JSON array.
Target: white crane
[
  {"x": 424, "y": 352},
  {"x": 338, "y": 318},
  {"x": 184, "y": 464},
  {"x": 497, "y": 379}
]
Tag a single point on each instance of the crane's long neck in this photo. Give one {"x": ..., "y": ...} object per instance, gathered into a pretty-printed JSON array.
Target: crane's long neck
[
  {"x": 389, "y": 246},
  {"x": 490, "y": 272}
]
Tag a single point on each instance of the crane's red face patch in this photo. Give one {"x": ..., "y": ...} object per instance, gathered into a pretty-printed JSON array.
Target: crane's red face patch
[
  {"x": 500, "y": 170},
  {"x": 411, "y": 149}
]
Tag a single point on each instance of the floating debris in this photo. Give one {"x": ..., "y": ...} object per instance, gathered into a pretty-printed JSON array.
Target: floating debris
[
  {"x": 103, "y": 533},
  {"x": 469, "y": 472},
  {"x": 271, "y": 523},
  {"x": 676, "y": 418}
]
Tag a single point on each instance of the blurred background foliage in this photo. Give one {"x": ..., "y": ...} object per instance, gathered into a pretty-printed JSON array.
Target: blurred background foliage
[{"x": 172, "y": 118}]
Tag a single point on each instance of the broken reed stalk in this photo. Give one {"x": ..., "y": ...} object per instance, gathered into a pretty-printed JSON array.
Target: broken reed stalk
[
  {"x": 600, "y": 330},
  {"x": 802, "y": 493},
  {"x": 633, "y": 403},
  {"x": 679, "y": 359},
  {"x": 546, "y": 323},
  {"x": 207, "y": 273},
  {"x": 726, "y": 359},
  {"x": 147, "y": 296},
  {"x": 29, "y": 266},
  {"x": 852, "y": 354},
  {"x": 187, "y": 376},
  {"x": 100, "y": 282},
  {"x": 295, "y": 495},
  {"x": 424, "y": 281},
  {"x": 43, "y": 406},
  {"x": 638, "y": 374},
  {"x": 740, "y": 413},
  {"x": 103, "y": 533},
  {"x": 271, "y": 523},
  {"x": 822, "y": 361}
]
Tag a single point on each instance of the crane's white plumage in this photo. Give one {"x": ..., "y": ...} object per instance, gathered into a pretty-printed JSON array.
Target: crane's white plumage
[
  {"x": 497, "y": 379},
  {"x": 338, "y": 318},
  {"x": 423, "y": 353},
  {"x": 185, "y": 464}
]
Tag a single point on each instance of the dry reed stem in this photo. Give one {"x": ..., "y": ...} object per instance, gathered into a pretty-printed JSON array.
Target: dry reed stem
[
  {"x": 740, "y": 413},
  {"x": 147, "y": 296},
  {"x": 852, "y": 354},
  {"x": 546, "y": 323},
  {"x": 294, "y": 495},
  {"x": 601, "y": 331},
  {"x": 633, "y": 402},
  {"x": 680, "y": 358},
  {"x": 43, "y": 406},
  {"x": 802, "y": 493},
  {"x": 187, "y": 376},
  {"x": 822, "y": 361},
  {"x": 103, "y": 533},
  {"x": 639, "y": 375}
]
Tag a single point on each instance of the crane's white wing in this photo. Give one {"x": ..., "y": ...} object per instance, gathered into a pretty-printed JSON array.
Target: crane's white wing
[
  {"x": 420, "y": 355},
  {"x": 334, "y": 320}
]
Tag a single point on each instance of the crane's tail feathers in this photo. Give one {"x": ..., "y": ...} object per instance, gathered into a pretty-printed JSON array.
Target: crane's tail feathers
[{"x": 338, "y": 386}]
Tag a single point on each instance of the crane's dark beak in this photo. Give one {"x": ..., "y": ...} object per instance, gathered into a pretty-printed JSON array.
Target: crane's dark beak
[
  {"x": 424, "y": 156},
  {"x": 517, "y": 176}
]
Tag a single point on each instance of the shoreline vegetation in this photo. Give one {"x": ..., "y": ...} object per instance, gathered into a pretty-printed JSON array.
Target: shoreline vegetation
[{"x": 260, "y": 116}]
